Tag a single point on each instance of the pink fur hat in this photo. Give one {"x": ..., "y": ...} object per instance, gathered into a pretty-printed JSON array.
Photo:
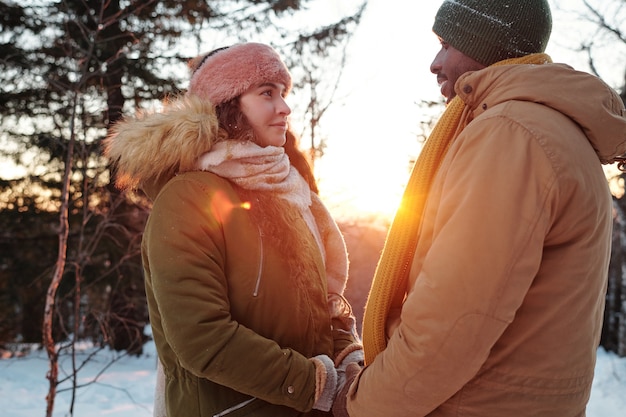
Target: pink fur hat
[{"x": 226, "y": 73}]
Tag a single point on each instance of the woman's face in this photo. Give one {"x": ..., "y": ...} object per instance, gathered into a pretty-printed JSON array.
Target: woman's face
[{"x": 267, "y": 112}]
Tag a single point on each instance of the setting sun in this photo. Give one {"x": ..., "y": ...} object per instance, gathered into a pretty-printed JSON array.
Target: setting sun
[{"x": 366, "y": 185}]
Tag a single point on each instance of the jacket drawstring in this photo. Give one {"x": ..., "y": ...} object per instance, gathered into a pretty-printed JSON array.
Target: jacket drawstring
[
  {"x": 258, "y": 277},
  {"x": 234, "y": 408}
]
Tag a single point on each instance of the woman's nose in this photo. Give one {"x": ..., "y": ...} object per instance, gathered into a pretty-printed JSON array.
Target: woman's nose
[{"x": 284, "y": 107}]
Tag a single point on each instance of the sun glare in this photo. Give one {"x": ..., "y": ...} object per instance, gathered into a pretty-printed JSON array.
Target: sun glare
[{"x": 359, "y": 192}]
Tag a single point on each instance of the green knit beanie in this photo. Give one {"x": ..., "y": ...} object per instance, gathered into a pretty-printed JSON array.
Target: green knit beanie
[{"x": 493, "y": 30}]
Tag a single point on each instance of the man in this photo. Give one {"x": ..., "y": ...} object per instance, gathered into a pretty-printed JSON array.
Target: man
[{"x": 489, "y": 296}]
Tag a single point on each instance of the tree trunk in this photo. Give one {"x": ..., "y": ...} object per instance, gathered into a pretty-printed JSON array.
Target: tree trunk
[{"x": 59, "y": 269}]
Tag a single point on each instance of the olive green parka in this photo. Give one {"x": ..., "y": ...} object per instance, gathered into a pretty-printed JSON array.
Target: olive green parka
[{"x": 233, "y": 329}]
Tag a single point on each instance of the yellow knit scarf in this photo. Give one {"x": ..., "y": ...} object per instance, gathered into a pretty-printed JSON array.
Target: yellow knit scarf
[{"x": 390, "y": 280}]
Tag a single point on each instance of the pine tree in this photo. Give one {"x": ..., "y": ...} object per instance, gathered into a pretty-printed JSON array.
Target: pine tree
[{"x": 68, "y": 71}]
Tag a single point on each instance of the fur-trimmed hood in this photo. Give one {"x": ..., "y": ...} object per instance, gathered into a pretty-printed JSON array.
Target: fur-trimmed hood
[{"x": 150, "y": 148}]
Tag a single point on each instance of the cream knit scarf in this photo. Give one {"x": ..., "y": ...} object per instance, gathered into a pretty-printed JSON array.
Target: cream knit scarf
[
  {"x": 255, "y": 168},
  {"x": 268, "y": 169},
  {"x": 390, "y": 279}
]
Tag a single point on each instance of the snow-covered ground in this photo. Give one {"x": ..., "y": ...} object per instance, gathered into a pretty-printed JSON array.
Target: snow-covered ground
[{"x": 126, "y": 387}]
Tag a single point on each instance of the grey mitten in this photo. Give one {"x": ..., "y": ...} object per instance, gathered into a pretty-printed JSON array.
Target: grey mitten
[
  {"x": 351, "y": 356},
  {"x": 325, "y": 382},
  {"x": 352, "y": 353}
]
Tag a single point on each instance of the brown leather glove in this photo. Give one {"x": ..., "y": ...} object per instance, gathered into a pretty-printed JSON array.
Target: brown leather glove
[{"x": 339, "y": 406}]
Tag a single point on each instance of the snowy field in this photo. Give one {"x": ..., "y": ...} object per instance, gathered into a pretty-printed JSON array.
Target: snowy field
[{"x": 126, "y": 388}]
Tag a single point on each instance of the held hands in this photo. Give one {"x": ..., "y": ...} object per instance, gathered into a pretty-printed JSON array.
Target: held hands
[
  {"x": 351, "y": 354},
  {"x": 348, "y": 363},
  {"x": 339, "y": 407},
  {"x": 333, "y": 379}
]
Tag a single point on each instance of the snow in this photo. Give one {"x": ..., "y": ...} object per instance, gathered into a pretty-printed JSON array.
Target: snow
[
  {"x": 114, "y": 384},
  {"x": 126, "y": 387}
]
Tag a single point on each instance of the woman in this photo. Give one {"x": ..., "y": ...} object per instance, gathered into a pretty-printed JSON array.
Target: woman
[{"x": 244, "y": 267}]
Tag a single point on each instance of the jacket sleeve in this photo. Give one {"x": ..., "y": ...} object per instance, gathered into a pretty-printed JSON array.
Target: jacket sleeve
[
  {"x": 185, "y": 251},
  {"x": 480, "y": 248}
]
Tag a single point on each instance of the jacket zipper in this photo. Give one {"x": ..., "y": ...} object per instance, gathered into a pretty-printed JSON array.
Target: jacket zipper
[
  {"x": 234, "y": 408},
  {"x": 255, "y": 293},
  {"x": 258, "y": 277}
]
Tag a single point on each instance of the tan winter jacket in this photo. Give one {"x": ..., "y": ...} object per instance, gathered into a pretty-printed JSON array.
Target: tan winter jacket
[{"x": 506, "y": 294}]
